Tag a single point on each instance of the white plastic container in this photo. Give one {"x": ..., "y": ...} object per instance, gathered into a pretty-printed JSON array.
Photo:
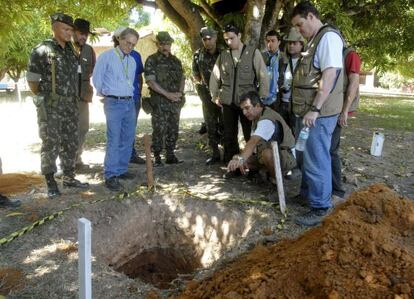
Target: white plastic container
[{"x": 377, "y": 144}]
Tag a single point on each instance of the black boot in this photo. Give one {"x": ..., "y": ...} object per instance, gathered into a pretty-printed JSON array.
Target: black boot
[
  {"x": 203, "y": 129},
  {"x": 70, "y": 181},
  {"x": 157, "y": 161},
  {"x": 5, "y": 202},
  {"x": 52, "y": 188},
  {"x": 215, "y": 158}
]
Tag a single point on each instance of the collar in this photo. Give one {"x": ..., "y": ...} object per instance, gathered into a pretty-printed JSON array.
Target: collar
[{"x": 121, "y": 53}]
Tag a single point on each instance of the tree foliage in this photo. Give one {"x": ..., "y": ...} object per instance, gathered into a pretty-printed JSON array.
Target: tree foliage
[{"x": 381, "y": 30}]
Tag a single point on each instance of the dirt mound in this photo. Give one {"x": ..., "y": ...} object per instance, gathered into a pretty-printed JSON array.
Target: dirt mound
[
  {"x": 365, "y": 249},
  {"x": 11, "y": 183},
  {"x": 10, "y": 279}
]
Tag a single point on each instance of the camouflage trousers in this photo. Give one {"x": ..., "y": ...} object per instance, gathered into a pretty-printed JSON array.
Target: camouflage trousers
[
  {"x": 58, "y": 129},
  {"x": 212, "y": 116},
  {"x": 165, "y": 124}
]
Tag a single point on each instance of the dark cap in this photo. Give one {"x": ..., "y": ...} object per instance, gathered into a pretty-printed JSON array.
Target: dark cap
[
  {"x": 207, "y": 32},
  {"x": 63, "y": 18},
  {"x": 164, "y": 37},
  {"x": 83, "y": 26}
]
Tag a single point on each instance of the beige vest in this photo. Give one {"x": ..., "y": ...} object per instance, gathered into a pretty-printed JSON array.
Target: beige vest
[
  {"x": 87, "y": 65},
  {"x": 236, "y": 79},
  {"x": 288, "y": 141},
  {"x": 306, "y": 81},
  {"x": 355, "y": 103}
]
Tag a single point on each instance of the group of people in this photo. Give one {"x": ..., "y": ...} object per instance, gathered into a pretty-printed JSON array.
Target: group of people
[
  {"x": 273, "y": 94},
  {"x": 313, "y": 83}
]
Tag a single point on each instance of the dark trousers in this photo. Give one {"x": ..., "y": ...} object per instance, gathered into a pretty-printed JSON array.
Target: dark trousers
[
  {"x": 337, "y": 188},
  {"x": 231, "y": 116},
  {"x": 137, "y": 108}
]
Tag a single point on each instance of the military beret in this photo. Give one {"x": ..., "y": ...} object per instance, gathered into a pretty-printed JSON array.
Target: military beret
[
  {"x": 207, "y": 32},
  {"x": 63, "y": 18},
  {"x": 164, "y": 37}
]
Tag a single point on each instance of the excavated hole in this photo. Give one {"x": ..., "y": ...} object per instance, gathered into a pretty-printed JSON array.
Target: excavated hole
[{"x": 166, "y": 239}]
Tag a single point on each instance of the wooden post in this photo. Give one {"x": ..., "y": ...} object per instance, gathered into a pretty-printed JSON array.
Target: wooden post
[
  {"x": 84, "y": 252},
  {"x": 279, "y": 178},
  {"x": 150, "y": 172}
]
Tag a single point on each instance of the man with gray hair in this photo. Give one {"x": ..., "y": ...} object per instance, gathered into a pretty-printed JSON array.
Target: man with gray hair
[{"x": 113, "y": 78}]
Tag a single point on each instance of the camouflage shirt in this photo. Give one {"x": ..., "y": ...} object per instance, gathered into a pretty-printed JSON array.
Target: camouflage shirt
[
  {"x": 167, "y": 71},
  {"x": 203, "y": 63},
  {"x": 66, "y": 66}
]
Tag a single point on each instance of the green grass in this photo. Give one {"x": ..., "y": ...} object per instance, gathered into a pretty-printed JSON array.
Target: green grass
[{"x": 388, "y": 112}]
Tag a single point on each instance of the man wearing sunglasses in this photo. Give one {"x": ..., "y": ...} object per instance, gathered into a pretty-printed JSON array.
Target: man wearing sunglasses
[{"x": 238, "y": 70}]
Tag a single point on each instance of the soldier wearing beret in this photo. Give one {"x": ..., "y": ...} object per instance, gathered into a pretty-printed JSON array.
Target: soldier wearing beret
[
  {"x": 53, "y": 78},
  {"x": 165, "y": 78},
  {"x": 203, "y": 63}
]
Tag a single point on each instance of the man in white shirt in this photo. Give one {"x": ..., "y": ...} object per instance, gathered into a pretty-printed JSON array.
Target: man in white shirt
[{"x": 317, "y": 98}]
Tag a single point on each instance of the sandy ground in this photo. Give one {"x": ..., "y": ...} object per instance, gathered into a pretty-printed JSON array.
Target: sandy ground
[{"x": 195, "y": 199}]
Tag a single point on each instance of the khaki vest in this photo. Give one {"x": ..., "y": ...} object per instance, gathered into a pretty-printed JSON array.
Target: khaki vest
[
  {"x": 306, "y": 81},
  {"x": 288, "y": 141},
  {"x": 355, "y": 103},
  {"x": 87, "y": 65},
  {"x": 236, "y": 79}
]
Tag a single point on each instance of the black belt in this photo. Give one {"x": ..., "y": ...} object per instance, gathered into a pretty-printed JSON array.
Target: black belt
[{"x": 118, "y": 97}]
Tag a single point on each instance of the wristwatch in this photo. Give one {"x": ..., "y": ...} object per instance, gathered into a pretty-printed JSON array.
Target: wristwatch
[
  {"x": 238, "y": 158},
  {"x": 315, "y": 109}
]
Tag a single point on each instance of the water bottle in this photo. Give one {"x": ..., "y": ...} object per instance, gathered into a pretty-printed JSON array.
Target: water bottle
[{"x": 303, "y": 137}]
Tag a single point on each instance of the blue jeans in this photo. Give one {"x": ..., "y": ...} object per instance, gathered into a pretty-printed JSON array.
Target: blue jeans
[
  {"x": 120, "y": 131},
  {"x": 317, "y": 172}
]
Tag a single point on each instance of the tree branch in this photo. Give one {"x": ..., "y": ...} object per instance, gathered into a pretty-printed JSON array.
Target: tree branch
[
  {"x": 147, "y": 3},
  {"x": 190, "y": 14},
  {"x": 172, "y": 14},
  {"x": 254, "y": 17},
  {"x": 210, "y": 12}
]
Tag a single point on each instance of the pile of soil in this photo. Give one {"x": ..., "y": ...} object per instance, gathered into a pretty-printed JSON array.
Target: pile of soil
[
  {"x": 365, "y": 249},
  {"x": 12, "y": 183}
]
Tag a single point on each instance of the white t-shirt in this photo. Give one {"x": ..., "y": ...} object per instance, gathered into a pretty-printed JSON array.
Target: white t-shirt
[
  {"x": 265, "y": 129},
  {"x": 329, "y": 52}
]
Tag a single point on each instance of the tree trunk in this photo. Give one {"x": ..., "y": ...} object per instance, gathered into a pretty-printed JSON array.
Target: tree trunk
[{"x": 254, "y": 18}]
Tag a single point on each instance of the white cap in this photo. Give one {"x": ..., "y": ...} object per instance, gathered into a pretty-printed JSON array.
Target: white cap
[{"x": 117, "y": 32}]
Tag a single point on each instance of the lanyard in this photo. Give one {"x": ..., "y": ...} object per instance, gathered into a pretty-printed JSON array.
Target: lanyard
[{"x": 125, "y": 69}]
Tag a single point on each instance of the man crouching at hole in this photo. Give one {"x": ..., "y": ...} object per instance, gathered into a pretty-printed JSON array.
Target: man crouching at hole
[{"x": 267, "y": 126}]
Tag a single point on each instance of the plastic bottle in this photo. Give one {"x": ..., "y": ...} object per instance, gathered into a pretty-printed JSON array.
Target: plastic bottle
[{"x": 303, "y": 137}]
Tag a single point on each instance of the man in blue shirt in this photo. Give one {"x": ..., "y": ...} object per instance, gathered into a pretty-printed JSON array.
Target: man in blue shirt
[
  {"x": 113, "y": 78},
  {"x": 138, "y": 81},
  {"x": 271, "y": 58}
]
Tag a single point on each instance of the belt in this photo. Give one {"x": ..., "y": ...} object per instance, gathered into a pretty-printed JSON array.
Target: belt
[{"x": 118, "y": 97}]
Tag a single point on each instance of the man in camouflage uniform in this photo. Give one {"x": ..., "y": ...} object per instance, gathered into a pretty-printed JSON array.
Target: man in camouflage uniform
[
  {"x": 165, "y": 78},
  {"x": 52, "y": 77},
  {"x": 203, "y": 63}
]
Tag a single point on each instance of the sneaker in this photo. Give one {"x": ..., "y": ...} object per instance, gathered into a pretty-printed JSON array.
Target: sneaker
[
  {"x": 113, "y": 184},
  {"x": 127, "y": 176},
  {"x": 136, "y": 160},
  {"x": 173, "y": 160},
  {"x": 313, "y": 217},
  {"x": 71, "y": 182},
  {"x": 5, "y": 202}
]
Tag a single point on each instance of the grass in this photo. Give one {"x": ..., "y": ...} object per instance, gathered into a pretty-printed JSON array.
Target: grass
[{"x": 388, "y": 112}]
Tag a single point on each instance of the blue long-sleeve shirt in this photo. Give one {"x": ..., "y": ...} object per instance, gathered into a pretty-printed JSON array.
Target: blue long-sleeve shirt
[
  {"x": 114, "y": 74},
  {"x": 272, "y": 66},
  {"x": 138, "y": 72}
]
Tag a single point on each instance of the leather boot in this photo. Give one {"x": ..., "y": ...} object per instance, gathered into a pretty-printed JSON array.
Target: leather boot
[
  {"x": 70, "y": 181},
  {"x": 157, "y": 161},
  {"x": 52, "y": 188},
  {"x": 215, "y": 158}
]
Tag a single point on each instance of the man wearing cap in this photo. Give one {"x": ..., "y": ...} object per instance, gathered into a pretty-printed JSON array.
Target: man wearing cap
[
  {"x": 287, "y": 66},
  {"x": 203, "y": 63},
  {"x": 113, "y": 77},
  {"x": 87, "y": 59},
  {"x": 271, "y": 58},
  {"x": 238, "y": 69},
  {"x": 165, "y": 78},
  {"x": 52, "y": 77}
]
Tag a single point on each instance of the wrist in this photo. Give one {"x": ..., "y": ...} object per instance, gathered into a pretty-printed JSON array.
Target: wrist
[
  {"x": 315, "y": 109},
  {"x": 239, "y": 158}
]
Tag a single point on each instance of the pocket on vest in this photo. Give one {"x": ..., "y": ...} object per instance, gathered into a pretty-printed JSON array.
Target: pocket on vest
[{"x": 302, "y": 99}]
